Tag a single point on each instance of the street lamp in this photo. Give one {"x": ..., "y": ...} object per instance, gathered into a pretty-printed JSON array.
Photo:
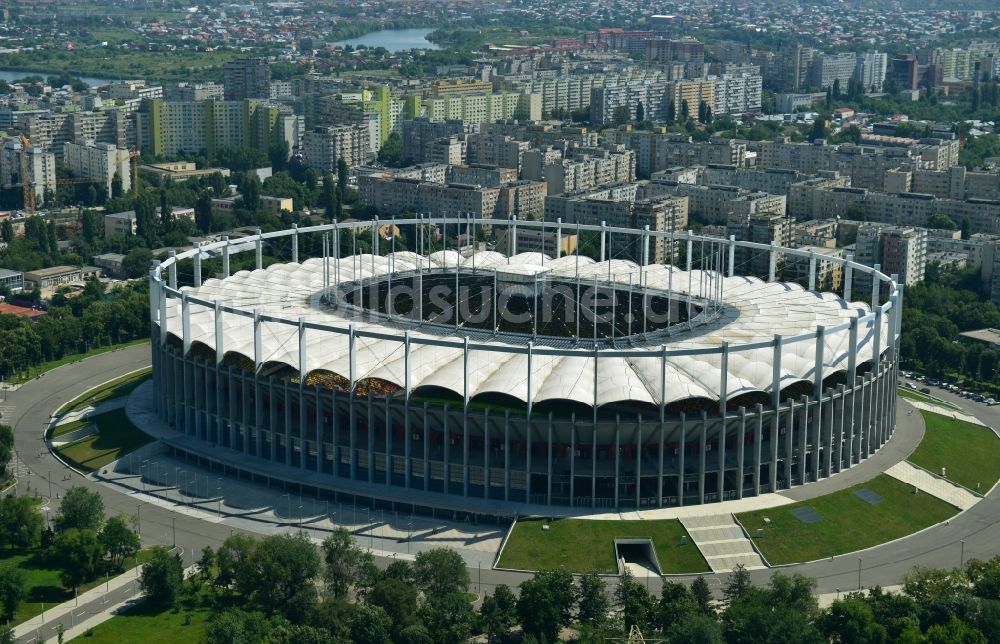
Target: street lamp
[{"x": 961, "y": 561}]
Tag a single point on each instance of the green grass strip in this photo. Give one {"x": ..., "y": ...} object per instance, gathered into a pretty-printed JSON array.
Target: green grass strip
[
  {"x": 969, "y": 453},
  {"x": 580, "y": 545},
  {"x": 116, "y": 437},
  {"x": 848, "y": 523}
]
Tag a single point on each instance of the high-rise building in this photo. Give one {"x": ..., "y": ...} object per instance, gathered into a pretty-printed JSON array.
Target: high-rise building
[
  {"x": 325, "y": 146},
  {"x": 904, "y": 72},
  {"x": 901, "y": 250},
  {"x": 171, "y": 128},
  {"x": 41, "y": 168},
  {"x": 99, "y": 162},
  {"x": 687, "y": 51},
  {"x": 247, "y": 78},
  {"x": 827, "y": 69}
]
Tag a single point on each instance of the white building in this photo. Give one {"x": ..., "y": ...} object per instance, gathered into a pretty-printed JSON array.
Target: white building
[
  {"x": 99, "y": 162},
  {"x": 41, "y": 168}
]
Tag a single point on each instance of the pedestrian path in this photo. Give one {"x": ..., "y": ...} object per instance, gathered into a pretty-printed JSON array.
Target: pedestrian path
[
  {"x": 933, "y": 485},
  {"x": 93, "y": 410},
  {"x": 945, "y": 411},
  {"x": 722, "y": 542},
  {"x": 67, "y": 612}
]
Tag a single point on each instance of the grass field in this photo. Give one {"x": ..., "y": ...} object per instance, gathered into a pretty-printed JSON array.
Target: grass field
[
  {"x": 847, "y": 524},
  {"x": 919, "y": 397},
  {"x": 117, "y": 436},
  {"x": 148, "y": 624},
  {"x": 43, "y": 587},
  {"x": 34, "y": 372},
  {"x": 588, "y": 546},
  {"x": 112, "y": 389},
  {"x": 970, "y": 453}
]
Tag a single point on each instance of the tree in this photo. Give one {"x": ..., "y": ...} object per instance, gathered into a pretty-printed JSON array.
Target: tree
[
  {"x": 685, "y": 110},
  {"x": 81, "y": 509},
  {"x": 232, "y": 558},
  {"x": 6, "y": 231},
  {"x": 370, "y": 625},
  {"x": 206, "y": 563},
  {"x": 640, "y": 112},
  {"x": 279, "y": 574},
  {"x": 621, "y": 115},
  {"x": 819, "y": 129},
  {"x": 676, "y": 603},
  {"x": 137, "y": 263},
  {"x": 966, "y": 227},
  {"x": 696, "y": 628},
  {"x": 162, "y": 577},
  {"x": 13, "y": 590},
  {"x": 851, "y": 621},
  {"x": 203, "y": 212},
  {"x": 328, "y": 197},
  {"x": 836, "y": 88},
  {"x": 345, "y": 563},
  {"x": 398, "y": 599},
  {"x": 116, "y": 185},
  {"x": 702, "y": 595},
  {"x": 499, "y": 611},
  {"x": 343, "y": 177},
  {"x": 545, "y": 603},
  {"x": 449, "y": 618},
  {"x": 708, "y": 115},
  {"x": 738, "y": 584},
  {"x": 165, "y": 213},
  {"x": 20, "y": 522},
  {"x": 250, "y": 193},
  {"x": 236, "y": 626},
  {"x": 592, "y": 600},
  {"x": 941, "y": 221},
  {"x": 119, "y": 540},
  {"x": 6, "y": 449},
  {"x": 636, "y": 605},
  {"x": 440, "y": 571},
  {"x": 78, "y": 554},
  {"x": 702, "y": 105},
  {"x": 277, "y": 154},
  {"x": 391, "y": 152}
]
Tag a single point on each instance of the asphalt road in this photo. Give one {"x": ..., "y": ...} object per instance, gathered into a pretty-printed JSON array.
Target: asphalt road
[{"x": 28, "y": 409}]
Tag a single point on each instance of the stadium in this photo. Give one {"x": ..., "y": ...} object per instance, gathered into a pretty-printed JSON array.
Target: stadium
[{"x": 393, "y": 366}]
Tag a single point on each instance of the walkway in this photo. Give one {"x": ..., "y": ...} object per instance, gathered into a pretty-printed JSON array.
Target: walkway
[
  {"x": 722, "y": 542},
  {"x": 945, "y": 411},
  {"x": 933, "y": 485},
  {"x": 103, "y": 597}
]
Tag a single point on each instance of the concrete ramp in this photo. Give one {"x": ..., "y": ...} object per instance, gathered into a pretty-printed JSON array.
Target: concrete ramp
[
  {"x": 933, "y": 485},
  {"x": 722, "y": 542}
]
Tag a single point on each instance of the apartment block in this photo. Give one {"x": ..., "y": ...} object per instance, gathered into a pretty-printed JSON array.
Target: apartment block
[
  {"x": 483, "y": 175},
  {"x": 41, "y": 168},
  {"x": 247, "y": 78},
  {"x": 417, "y": 135},
  {"x": 760, "y": 228},
  {"x": 99, "y": 162},
  {"x": 717, "y": 204},
  {"x": 325, "y": 146},
  {"x": 121, "y": 223},
  {"x": 901, "y": 250},
  {"x": 497, "y": 149},
  {"x": 656, "y": 150}
]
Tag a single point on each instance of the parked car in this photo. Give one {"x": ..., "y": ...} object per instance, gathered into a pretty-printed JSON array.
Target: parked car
[{"x": 925, "y": 390}]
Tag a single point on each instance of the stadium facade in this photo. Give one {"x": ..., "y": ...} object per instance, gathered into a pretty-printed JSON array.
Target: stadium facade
[{"x": 488, "y": 382}]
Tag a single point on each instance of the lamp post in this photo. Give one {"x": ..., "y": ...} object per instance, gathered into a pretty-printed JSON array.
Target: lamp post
[
  {"x": 961, "y": 560},
  {"x": 859, "y": 573}
]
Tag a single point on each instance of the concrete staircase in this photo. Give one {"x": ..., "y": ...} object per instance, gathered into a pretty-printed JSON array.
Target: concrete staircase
[{"x": 722, "y": 542}]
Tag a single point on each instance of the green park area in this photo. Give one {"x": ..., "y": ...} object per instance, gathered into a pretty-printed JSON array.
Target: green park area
[
  {"x": 43, "y": 585},
  {"x": 843, "y": 521},
  {"x": 116, "y": 437},
  {"x": 111, "y": 389},
  {"x": 969, "y": 453},
  {"x": 579, "y": 545},
  {"x": 150, "y": 623}
]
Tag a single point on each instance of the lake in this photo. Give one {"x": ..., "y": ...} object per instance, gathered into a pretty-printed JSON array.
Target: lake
[
  {"x": 393, "y": 39},
  {"x": 17, "y": 74}
]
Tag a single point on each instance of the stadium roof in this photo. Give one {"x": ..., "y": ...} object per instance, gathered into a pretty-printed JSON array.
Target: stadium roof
[{"x": 756, "y": 311}]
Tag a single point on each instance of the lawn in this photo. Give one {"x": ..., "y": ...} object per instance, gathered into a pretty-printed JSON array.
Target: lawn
[
  {"x": 151, "y": 624},
  {"x": 579, "y": 545},
  {"x": 970, "y": 453},
  {"x": 117, "y": 436},
  {"x": 66, "y": 428},
  {"x": 112, "y": 389},
  {"x": 34, "y": 372},
  {"x": 848, "y": 523},
  {"x": 43, "y": 587},
  {"x": 924, "y": 398}
]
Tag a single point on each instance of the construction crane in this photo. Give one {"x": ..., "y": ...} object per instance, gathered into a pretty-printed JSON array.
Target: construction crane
[
  {"x": 27, "y": 187},
  {"x": 133, "y": 158}
]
